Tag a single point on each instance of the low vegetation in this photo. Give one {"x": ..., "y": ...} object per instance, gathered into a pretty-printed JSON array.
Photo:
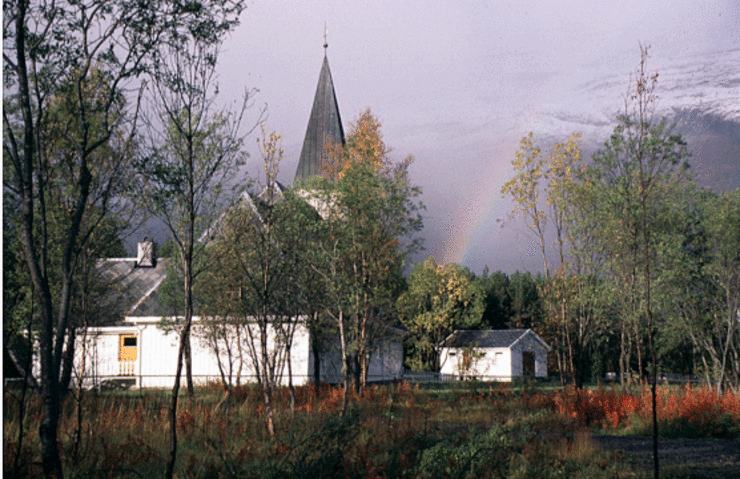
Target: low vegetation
[{"x": 462, "y": 430}]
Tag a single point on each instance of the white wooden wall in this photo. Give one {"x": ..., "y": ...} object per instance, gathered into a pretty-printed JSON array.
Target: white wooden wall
[
  {"x": 531, "y": 344},
  {"x": 156, "y": 361},
  {"x": 157, "y": 349},
  {"x": 496, "y": 368}
]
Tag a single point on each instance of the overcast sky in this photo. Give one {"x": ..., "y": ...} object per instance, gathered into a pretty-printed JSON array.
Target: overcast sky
[{"x": 457, "y": 84}]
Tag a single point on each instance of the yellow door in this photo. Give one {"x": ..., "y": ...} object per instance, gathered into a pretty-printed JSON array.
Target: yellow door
[{"x": 127, "y": 347}]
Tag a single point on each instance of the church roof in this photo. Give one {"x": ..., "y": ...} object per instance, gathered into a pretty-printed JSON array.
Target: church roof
[{"x": 324, "y": 126}]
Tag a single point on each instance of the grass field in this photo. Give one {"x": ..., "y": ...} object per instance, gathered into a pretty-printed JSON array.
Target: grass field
[{"x": 461, "y": 430}]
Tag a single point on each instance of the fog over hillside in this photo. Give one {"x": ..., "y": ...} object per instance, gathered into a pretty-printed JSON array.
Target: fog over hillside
[
  {"x": 714, "y": 142},
  {"x": 698, "y": 95}
]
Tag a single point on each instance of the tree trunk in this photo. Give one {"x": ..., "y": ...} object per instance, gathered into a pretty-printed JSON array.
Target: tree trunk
[
  {"x": 180, "y": 353},
  {"x": 226, "y": 384},
  {"x": 267, "y": 378},
  {"x": 239, "y": 351},
  {"x": 561, "y": 365},
  {"x": 316, "y": 351},
  {"x": 291, "y": 390},
  {"x": 24, "y": 169},
  {"x": 189, "y": 366},
  {"x": 52, "y": 465},
  {"x": 345, "y": 364},
  {"x": 80, "y": 379},
  {"x": 68, "y": 362},
  {"x": 726, "y": 347},
  {"x": 24, "y": 391},
  {"x": 623, "y": 369},
  {"x": 638, "y": 342},
  {"x": 363, "y": 352}
]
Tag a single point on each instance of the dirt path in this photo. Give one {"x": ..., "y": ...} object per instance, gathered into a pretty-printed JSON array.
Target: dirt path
[{"x": 710, "y": 458}]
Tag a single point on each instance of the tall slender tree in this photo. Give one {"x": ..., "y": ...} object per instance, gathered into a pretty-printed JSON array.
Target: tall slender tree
[
  {"x": 631, "y": 180},
  {"x": 193, "y": 155},
  {"x": 370, "y": 216},
  {"x": 49, "y": 46},
  {"x": 723, "y": 271},
  {"x": 526, "y": 190}
]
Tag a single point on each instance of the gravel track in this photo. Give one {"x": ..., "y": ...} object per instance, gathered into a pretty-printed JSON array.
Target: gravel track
[{"x": 705, "y": 458}]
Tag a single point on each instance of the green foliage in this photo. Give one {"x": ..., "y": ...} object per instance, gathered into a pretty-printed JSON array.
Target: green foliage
[
  {"x": 370, "y": 217},
  {"x": 316, "y": 452},
  {"x": 607, "y": 226},
  {"x": 477, "y": 453},
  {"x": 700, "y": 284},
  {"x": 101, "y": 224},
  {"x": 525, "y": 190},
  {"x": 498, "y": 311},
  {"x": 68, "y": 67},
  {"x": 641, "y": 248},
  {"x": 439, "y": 299}
]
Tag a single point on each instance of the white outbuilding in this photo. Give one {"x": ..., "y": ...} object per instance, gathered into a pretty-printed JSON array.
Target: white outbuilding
[{"x": 494, "y": 355}]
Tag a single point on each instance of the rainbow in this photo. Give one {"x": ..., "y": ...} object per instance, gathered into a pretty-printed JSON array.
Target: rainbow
[{"x": 477, "y": 217}]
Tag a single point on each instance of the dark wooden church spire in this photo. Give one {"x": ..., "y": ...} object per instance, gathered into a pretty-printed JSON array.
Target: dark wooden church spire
[{"x": 324, "y": 126}]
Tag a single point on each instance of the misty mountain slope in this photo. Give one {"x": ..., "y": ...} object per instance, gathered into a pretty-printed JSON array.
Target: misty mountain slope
[
  {"x": 699, "y": 96},
  {"x": 714, "y": 143}
]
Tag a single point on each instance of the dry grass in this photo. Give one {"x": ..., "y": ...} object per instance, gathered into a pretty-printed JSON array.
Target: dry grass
[{"x": 389, "y": 431}]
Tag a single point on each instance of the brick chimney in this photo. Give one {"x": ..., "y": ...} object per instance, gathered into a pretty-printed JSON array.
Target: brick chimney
[{"x": 145, "y": 257}]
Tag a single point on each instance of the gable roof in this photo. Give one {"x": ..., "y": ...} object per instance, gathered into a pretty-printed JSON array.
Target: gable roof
[
  {"x": 491, "y": 338},
  {"x": 324, "y": 127},
  {"x": 134, "y": 291}
]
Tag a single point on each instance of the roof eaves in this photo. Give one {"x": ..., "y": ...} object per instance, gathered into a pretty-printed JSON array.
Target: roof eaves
[
  {"x": 147, "y": 294},
  {"x": 536, "y": 336},
  {"x": 524, "y": 333}
]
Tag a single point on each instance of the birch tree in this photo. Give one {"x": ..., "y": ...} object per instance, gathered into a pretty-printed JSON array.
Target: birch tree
[
  {"x": 259, "y": 280},
  {"x": 48, "y": 44},
  {"x": 525, "y": 190},
  {"x": 439, "y": 299},
  {"x": 723, "y": 224},
  {"x": 193, "y": 154},
  {"x": 367, "y": 231}
]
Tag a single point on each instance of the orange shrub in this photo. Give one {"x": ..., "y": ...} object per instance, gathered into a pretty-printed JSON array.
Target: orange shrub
[{"x": 699, "y": 408}]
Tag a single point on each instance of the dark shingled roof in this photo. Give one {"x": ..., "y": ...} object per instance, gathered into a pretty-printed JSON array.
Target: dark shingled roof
[
  {"x": 492, "y": 338},
  {"x": 134, "y": 291},
  {"x": 324, "y": 125}
]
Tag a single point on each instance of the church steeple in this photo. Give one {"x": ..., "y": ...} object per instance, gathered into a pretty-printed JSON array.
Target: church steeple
[{"x": 324, "y": 126}]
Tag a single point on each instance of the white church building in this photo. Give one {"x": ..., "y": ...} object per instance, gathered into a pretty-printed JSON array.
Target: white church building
[
  {"x": 138, "y": 348},
  {"x": 142, "y": 353}
]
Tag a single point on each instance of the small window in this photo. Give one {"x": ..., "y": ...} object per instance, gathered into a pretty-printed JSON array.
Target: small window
[
  {"x": 129, "y": 341},
  {"x": 452, "y": 355}
]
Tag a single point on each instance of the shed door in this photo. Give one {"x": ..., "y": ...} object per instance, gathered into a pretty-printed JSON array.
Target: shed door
[
  {"x": 127, "y": 347},
  {"x": 528, "y": 363}
]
